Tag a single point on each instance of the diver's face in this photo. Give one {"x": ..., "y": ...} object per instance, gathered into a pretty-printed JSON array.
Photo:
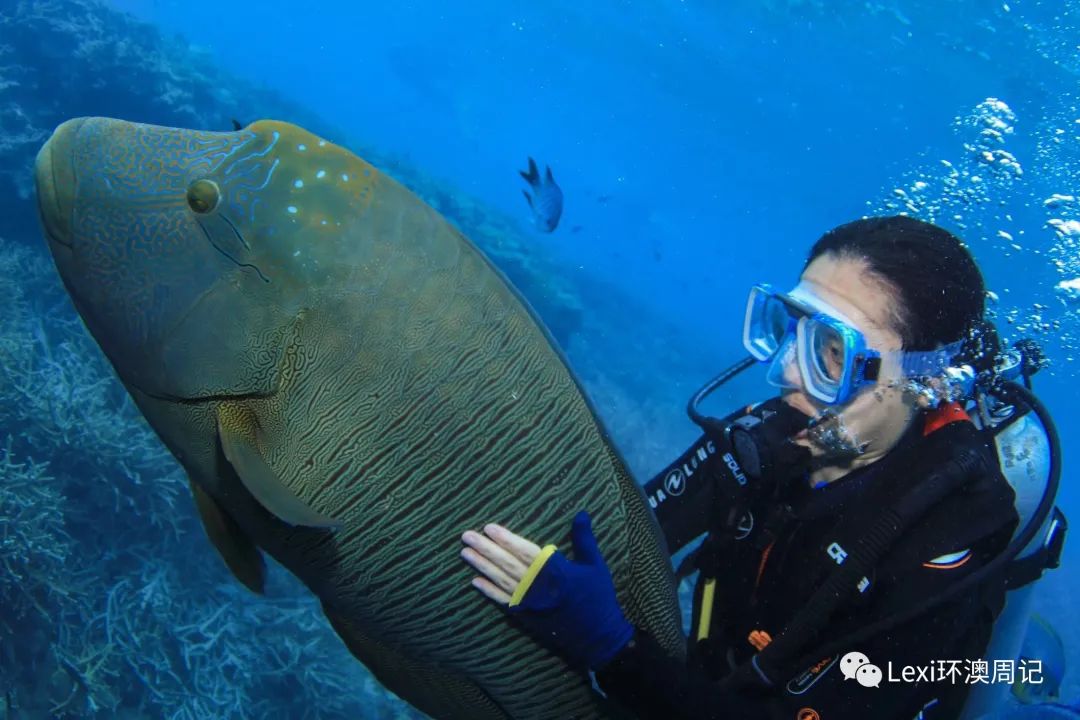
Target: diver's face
[{"x": 879, "y": 414}]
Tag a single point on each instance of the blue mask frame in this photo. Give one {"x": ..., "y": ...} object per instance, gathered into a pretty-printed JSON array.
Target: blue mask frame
[{"x": 833, "y": 357}]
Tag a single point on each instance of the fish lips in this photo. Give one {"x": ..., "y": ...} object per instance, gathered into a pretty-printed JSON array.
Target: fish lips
[{"x": 55, "y": 183}]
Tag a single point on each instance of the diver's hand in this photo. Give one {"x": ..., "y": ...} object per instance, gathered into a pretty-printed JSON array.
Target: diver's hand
[
  {"x": 501, "y": 557},
  {"x": 570, "y": 604}
]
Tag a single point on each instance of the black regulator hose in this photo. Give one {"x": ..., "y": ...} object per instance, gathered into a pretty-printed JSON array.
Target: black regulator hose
[
  {"x": 1010, "y": 392},
  {"x": 706, "y": 423}
]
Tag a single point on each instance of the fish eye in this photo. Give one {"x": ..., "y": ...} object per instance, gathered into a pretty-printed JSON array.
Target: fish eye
[{"x": 203, "y": 196}]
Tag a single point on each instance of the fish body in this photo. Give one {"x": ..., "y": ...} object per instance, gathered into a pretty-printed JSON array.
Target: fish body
[
  {"x": 546, "y": 200},
  {"x": 1041, "y": 644},
  {"x": 349, "y": 384}
]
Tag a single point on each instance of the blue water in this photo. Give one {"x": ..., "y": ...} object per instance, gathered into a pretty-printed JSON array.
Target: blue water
[
  {"x": 726, "y": 140},
  {"x": 702, "y": 149}
]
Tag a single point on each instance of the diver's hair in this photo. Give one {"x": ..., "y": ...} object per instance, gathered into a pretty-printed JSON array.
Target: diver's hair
[{"x": 934, "y": 278}]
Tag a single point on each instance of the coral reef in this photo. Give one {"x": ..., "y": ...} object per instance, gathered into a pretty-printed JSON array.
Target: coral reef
[{"x": 113, "y": 603}]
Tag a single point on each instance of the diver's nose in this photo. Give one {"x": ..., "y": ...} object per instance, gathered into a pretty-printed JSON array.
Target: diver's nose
[{"x": 54, "y": 178}]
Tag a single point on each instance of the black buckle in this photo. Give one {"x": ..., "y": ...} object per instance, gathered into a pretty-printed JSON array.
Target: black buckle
[
  {"x": 1030, "y": 568},
  {"x": 1055, "y": 541},
  {"x": 873, "y": 367}
]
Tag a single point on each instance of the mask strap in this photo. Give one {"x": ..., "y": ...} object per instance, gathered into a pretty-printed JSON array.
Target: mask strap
[
  {"x": 912, "y": 364},
  {"x": 927, "y": 362}
]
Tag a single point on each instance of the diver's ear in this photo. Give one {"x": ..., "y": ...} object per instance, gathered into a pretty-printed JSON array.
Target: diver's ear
[{"x": 241, "y": 442}]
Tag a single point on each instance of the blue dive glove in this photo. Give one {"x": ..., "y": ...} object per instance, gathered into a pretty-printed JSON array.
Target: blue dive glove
[{"x": 572, "y": 604}]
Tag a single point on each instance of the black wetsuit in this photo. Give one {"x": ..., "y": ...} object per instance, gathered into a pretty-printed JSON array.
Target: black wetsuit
[{"x": 780, "y": 551}]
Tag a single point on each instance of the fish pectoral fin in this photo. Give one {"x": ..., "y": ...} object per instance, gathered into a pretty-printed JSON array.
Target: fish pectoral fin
[
  {"x": 241, "y": 554},
  {"x": 528, "y": 197},
  {"x": 240, "y": 443}
]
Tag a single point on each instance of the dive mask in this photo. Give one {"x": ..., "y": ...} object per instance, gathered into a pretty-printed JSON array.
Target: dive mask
[{"x": 832, "y": 357}]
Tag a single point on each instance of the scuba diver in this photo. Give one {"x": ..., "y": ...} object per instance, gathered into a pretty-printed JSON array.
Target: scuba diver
[{"x": 861, "y": 517}]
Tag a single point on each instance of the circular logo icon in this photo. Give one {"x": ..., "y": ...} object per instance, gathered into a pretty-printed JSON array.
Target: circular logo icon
[
  {"x": 807, "y": 714},
  {"x": 744, "y": 526},
  {"x": 675, "y": 482}
]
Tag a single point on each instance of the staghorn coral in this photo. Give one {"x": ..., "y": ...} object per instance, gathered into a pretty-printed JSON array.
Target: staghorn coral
[
  {"x": 33, "y": 543},
  {"x": 110, "y": 592}
]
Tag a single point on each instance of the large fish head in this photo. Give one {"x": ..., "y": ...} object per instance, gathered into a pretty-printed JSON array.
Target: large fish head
[{"x": 189, "y": 253}]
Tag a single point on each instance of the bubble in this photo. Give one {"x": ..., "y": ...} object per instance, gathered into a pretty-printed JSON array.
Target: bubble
[
  {"x": 965, "y": 189},
  {"x": 851, "y": 662},
  {"x": 1069, "y": 289},
  {"x": 828, "y": 431},
  {"x": 1058, "y": 199},
  {"x": 1065, "y": 228},
  {"x": 869, "y": 675},
  {"x": 981, "y": 192}
]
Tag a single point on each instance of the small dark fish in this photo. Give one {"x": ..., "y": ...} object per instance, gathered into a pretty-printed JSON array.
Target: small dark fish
[
  {"x": 237, "y": 125},
  {"x": 547, "y": 203}
]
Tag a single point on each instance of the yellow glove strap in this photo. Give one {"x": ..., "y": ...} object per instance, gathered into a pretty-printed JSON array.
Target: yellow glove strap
[{"x": 531, "y": 573}]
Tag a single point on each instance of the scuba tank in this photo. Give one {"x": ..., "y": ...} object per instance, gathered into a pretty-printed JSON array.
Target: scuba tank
[{"x": 1029, "y": 455}]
